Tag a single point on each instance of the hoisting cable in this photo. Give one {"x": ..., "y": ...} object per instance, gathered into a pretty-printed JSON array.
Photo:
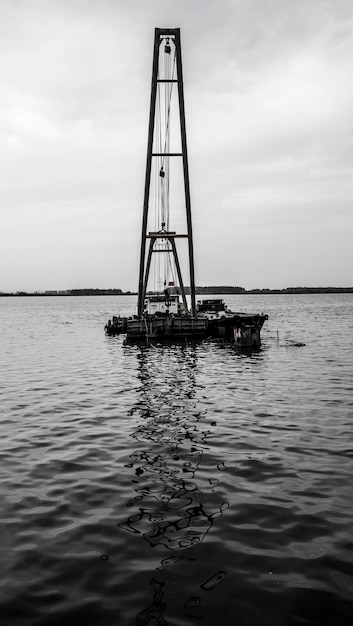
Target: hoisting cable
[
  {"x": 163, "y": 265},
  {"x": 168, "y": 107},
  {"x": 169, "y": 73},
  {"x": 164, "y": 171}
]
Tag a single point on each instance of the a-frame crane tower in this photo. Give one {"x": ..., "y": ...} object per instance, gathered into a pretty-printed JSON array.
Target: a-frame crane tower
[{"x": 166, "y": 42}]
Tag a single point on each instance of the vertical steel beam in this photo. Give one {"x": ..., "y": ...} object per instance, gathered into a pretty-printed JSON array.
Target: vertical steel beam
[
  {"x": 156, "y": 45},
  {"x": 147, "y": 271},
  {"x": 180, "y": 277},
  {"x": 185, "y": 168}
]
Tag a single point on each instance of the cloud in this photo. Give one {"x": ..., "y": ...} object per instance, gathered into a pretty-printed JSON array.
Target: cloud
[{"x": 268, "y": 102}]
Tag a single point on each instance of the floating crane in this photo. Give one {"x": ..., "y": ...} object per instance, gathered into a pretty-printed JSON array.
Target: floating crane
[{"x": 162, "y": 307}]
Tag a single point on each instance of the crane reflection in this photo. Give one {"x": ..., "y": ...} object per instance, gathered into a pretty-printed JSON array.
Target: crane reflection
[{"x": 171, "y": 437}]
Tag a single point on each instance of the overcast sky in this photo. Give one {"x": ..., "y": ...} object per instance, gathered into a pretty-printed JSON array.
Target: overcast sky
[{"x": 269, "y": 102}]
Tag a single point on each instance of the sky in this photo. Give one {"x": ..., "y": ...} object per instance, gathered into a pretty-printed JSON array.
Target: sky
[{"x": 268, "y": 98}]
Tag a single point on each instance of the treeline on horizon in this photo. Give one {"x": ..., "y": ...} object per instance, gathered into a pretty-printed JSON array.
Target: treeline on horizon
[
  {"x": 72, "y": 292},
  {"x": 212, "y": 289},
  {"x": 226, "y": 289}
]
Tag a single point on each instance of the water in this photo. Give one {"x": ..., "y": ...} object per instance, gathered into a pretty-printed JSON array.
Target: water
[{"x": 179, "y": 484}]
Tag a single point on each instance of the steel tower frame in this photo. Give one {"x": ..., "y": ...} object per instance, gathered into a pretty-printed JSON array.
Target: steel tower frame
[{"x": 160, "y": 35}]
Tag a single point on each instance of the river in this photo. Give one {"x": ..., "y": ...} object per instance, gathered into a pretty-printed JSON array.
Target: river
[{"x": 178, "y": 484}]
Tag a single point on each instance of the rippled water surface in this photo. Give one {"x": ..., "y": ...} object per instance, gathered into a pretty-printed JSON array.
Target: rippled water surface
[{"x": 177, "y": 484}]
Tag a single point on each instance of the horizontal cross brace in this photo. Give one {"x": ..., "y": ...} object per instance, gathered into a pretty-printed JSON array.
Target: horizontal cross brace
[
  {"x": 163, "y": 236},
  {"x": 164, "y": 154},
  {"x": 162, "y": 233},
  {"x": 167, "y": 33},
  {"x": 167, "y": 80}
]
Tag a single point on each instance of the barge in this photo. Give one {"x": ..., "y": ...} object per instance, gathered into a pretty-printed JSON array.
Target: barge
[{"x": 163, "y": 318}]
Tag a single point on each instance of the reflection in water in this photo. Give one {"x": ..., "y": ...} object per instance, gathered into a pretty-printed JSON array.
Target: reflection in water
[
  {"x": 180, "y": 522},
  {"x": 154, "y": 613},
  {"x": 173, "y": 513},
  {"x": 212, "y": 582},
  {"x": 171, "y": 434},
  {"x": 170, "y": 560}
]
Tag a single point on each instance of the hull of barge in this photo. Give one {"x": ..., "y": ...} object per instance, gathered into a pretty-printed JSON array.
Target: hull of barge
[
  {"x": 166, "y": 327},
  {"x": 242, "y": 329}
]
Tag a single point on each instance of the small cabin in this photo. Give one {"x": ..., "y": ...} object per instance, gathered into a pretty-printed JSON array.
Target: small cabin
[
  {"x": 162, "y": 304},
  {"x": 211, "y": 306}
]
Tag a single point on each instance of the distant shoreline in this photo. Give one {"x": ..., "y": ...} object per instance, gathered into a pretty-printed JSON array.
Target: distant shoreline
[{"x": 200, "y": 291}]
